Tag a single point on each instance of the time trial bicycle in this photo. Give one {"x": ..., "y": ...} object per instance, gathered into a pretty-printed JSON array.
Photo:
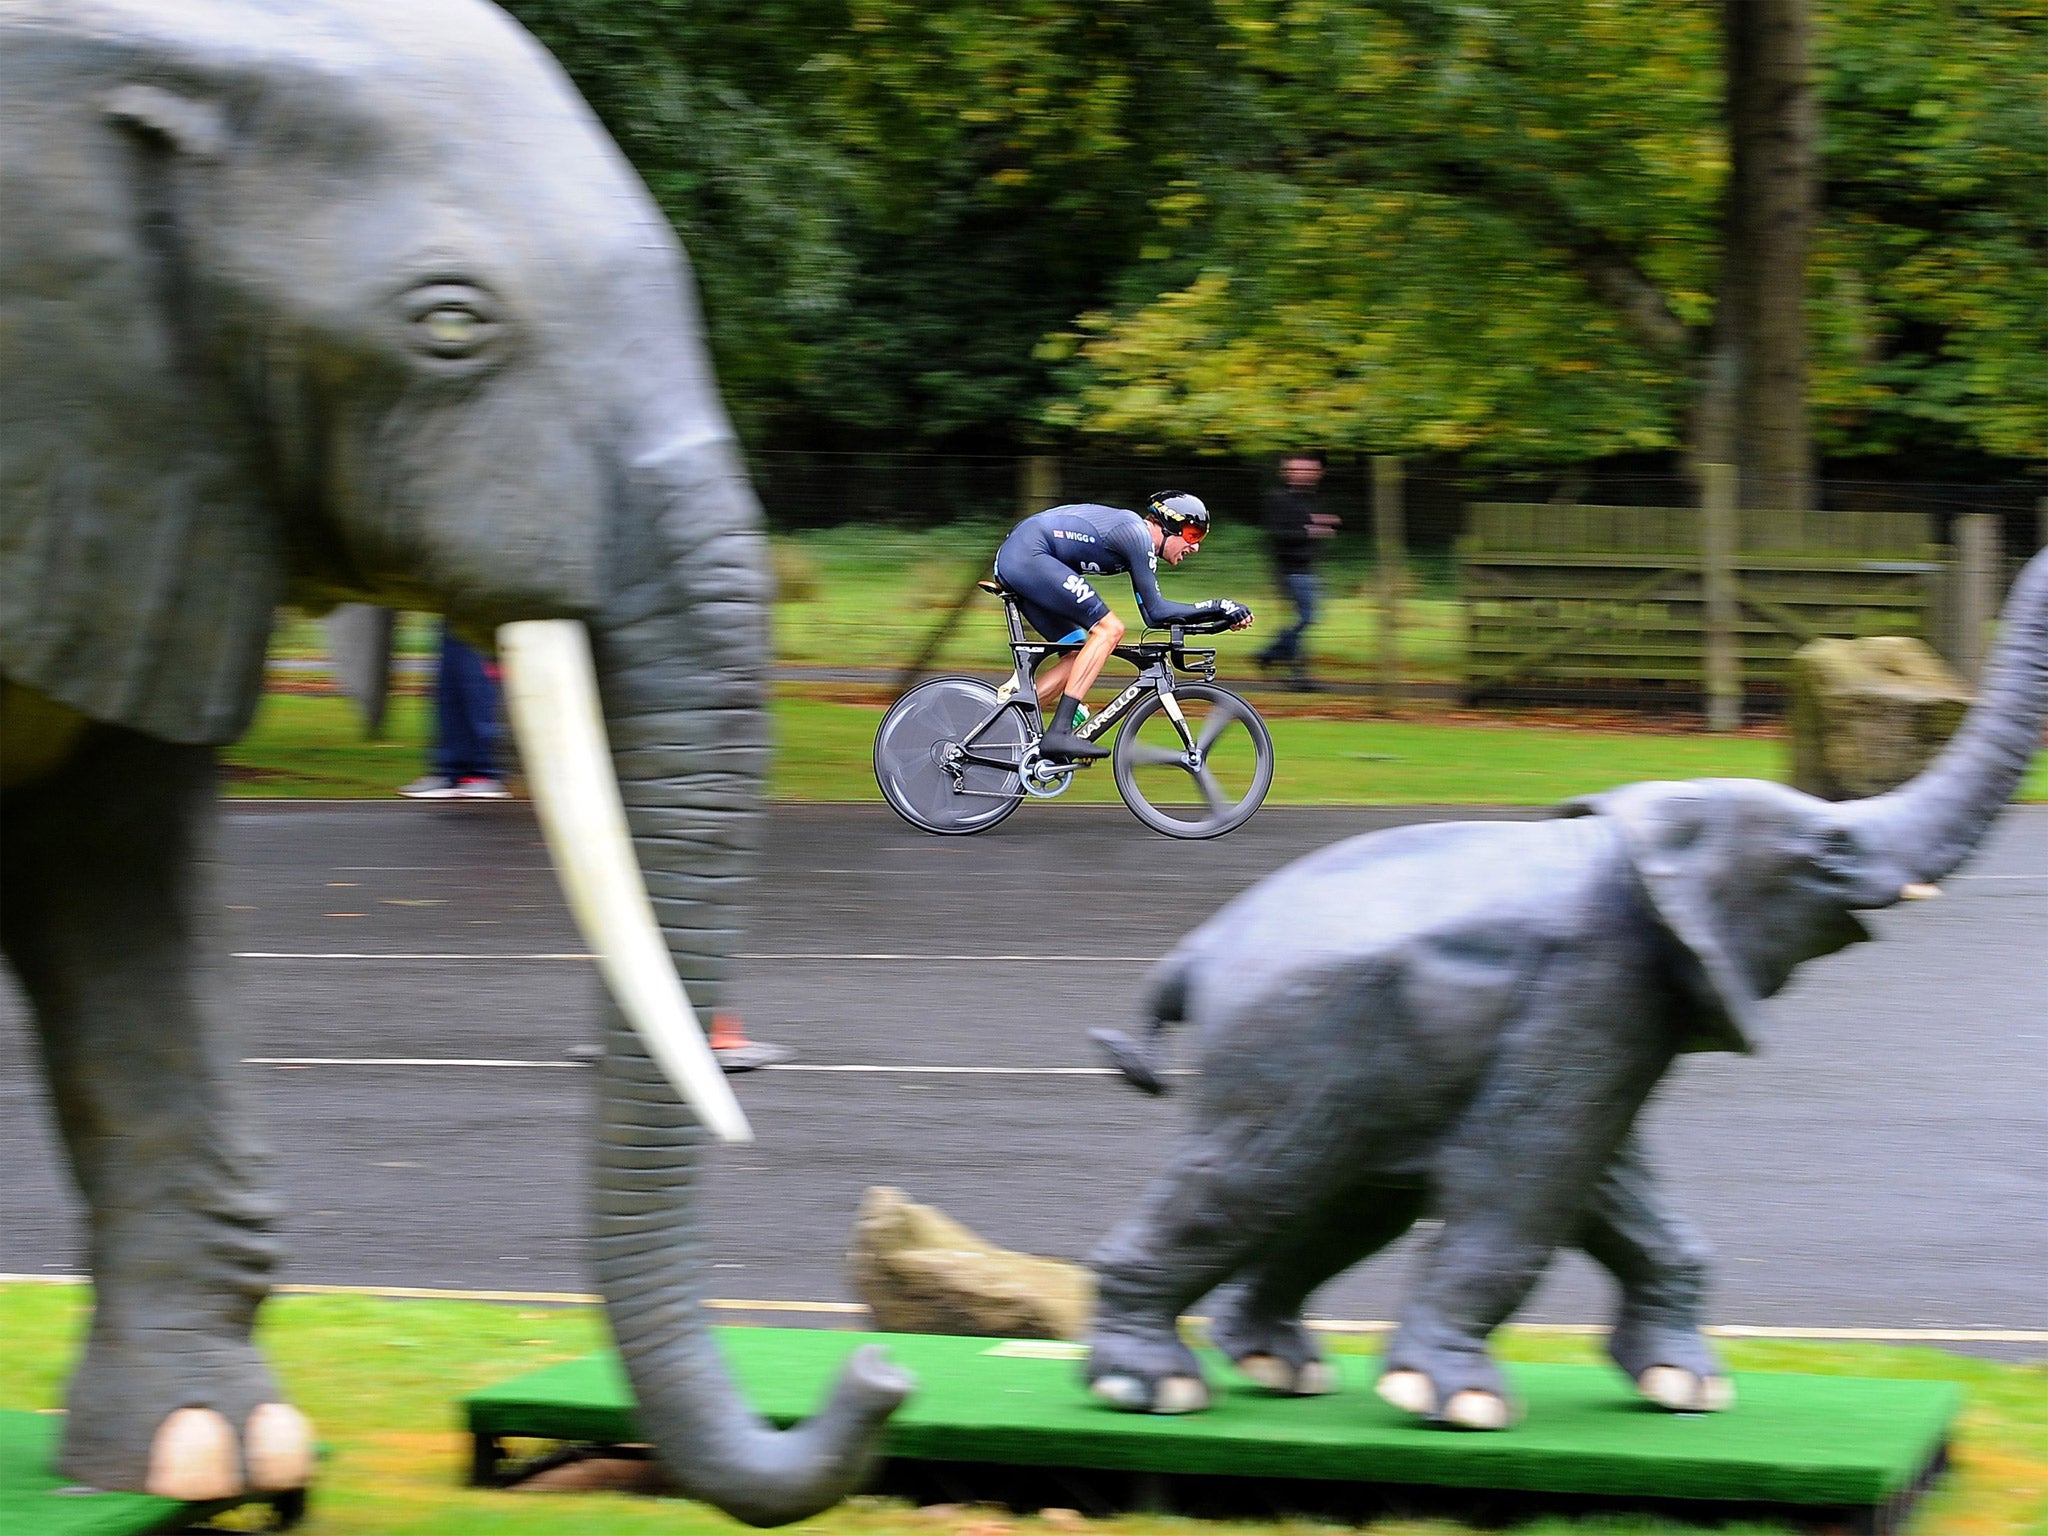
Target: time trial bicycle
[{"x": 956, "y": 755}]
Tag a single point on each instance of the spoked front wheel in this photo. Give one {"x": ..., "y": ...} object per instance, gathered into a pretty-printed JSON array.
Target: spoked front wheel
[
  {"x": 920, "y": 756},
  {"x": 1199, "y": 790}
]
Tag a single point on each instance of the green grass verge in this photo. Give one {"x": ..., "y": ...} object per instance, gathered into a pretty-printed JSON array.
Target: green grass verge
[
  {"x": 310, "y": 746},
  {"x": 381, "y": 1378},
  {"x": 869, "y": 596}
]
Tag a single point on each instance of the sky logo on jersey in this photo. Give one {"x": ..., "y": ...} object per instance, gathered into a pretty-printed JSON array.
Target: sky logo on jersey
[{"x": 1080, "y": 589}]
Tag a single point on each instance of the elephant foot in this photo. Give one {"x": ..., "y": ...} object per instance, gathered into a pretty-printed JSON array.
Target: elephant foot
[
  {"x": 1473, "y": 1408},
  {"x": 1446, "y": 1377},
  {"x": 1169, "y": 1394},
  {"x": 196, "y": 1457},
  {"x": 1146, "y": 1374},
  {"x": 1682, "y": 1391},
  {"x": 1673, "y": 1367},
  {"x": 169, "y": 1411},
  {"x": 1278, "y": 1353}
]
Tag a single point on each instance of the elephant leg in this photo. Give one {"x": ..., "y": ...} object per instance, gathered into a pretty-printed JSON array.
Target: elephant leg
[
  {"x": 1256, "y": 1318},
  {"x": 1661, "y": 1262},
  {"x": 1232, "y": 1187},
  {"x": 107, "y": 918},
  {"x": 1513, "y": 1179}
]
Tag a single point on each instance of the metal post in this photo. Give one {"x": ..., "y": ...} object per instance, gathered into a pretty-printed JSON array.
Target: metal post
[
  {"x": 1391, "y": 548},
  {"x": 1980, "y": 540},
  {"x": 1718, "y": 528},
  {"x": 1038, "y": 483}
]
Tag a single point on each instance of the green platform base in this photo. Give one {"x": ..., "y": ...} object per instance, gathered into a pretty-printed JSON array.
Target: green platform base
[
  {"x": 1009, "y": 1421},
  {"x": 32, "y": 1502}
]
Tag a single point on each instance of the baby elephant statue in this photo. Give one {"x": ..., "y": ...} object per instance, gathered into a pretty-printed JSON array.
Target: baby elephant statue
[{"x": 1462, "y": 1021}]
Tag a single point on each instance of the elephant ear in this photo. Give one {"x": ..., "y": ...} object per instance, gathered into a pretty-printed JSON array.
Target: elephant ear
[
  {"x": 1682, "y": 842},
  {"x": 140, "y": 560}
]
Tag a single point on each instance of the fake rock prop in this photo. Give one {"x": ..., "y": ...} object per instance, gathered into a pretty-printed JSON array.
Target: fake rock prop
[
  {"x": 1869, "y": 714},
  {"x": 919, "y": 1271}
]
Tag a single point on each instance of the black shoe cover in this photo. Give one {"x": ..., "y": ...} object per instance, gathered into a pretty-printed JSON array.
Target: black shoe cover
[{"x": 1066, "y": 747}]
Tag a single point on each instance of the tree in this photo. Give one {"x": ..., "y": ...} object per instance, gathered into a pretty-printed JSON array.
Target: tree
[
  {"x": 1754, "y": 411},
  {"x": 1498, "y": 232},
  {"x": 1400, "y": 225}
]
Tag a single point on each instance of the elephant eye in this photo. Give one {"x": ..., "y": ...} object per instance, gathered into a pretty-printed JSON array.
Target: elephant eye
[
  {"x": 451, "y": 320},
  {"x": 451, "y": 329}
]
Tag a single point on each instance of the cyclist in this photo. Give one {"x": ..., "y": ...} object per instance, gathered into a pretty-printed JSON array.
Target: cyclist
[{"x": 1046, "y": 562}]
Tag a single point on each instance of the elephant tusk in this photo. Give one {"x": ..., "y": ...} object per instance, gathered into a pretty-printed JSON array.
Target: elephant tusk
[
  {"x": 551, "y": 697},
  {"x": 1918, "y": 892}
]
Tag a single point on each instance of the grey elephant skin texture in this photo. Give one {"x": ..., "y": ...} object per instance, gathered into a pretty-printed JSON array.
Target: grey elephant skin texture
[
  {"x": 1461, "y": 1021},
  {"x": 325, "y": 301}
]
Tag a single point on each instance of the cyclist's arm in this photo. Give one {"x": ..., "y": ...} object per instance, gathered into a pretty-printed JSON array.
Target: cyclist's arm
[{"x": 1159, "y": 610}]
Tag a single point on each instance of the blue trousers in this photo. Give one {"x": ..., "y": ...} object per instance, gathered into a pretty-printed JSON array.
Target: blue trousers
[
  {"x": 466, "y": 713},
  {"x": 1301, "y": 590}
]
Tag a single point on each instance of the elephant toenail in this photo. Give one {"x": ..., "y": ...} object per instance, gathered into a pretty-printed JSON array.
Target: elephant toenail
[
  {"x": 277, "y": 1444},
  {"x": 1125, "y": 1392},
  {"x": 194, "y": 1458},
  {"x": 1315, "y": 1379},
  {"x": 1477, "y": 1410},
  {"x": 1268, "y": 1371},
  {"x": 1409, "y": 1391}
]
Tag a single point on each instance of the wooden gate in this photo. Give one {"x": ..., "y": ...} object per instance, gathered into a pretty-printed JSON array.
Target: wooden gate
[{"x": 1610, "y": 599}]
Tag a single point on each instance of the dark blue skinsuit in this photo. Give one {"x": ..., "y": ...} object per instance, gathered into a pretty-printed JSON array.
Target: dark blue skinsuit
[{"x": 1047, "y": 560}]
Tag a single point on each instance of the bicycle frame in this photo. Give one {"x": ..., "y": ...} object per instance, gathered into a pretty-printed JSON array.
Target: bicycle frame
[{"x": 1156, "y": 663}]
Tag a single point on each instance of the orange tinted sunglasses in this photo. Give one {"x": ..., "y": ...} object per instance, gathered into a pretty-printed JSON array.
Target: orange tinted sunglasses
[{"x": 1190, "y": 535}]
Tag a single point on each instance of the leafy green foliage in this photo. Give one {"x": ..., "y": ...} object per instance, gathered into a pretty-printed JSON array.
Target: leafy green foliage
[
  {"x": 1397, "y": 225},
  {"x": 1932, "y": 300}
]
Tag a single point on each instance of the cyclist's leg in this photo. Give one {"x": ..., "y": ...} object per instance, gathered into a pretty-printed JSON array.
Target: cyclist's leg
[
  {"x": 1061, "y": 604},
  {"x": 1103, "y": 638}
]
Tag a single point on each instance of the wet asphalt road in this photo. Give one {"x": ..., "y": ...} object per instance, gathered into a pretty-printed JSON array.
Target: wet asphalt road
[{"x": 1884, "y": 1165}]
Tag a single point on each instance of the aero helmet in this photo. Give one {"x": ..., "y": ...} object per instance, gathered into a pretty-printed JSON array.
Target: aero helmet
[{"x": 1178, "y": 512}]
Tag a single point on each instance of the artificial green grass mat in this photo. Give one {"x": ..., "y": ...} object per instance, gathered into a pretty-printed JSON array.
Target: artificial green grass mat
[
  {"x": 1807, "y": 1440},
  {"x": 30, "y": 1505}
]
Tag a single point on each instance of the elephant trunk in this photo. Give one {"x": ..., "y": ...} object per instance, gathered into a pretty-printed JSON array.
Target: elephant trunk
[
  {"x": 1937, "y": 820},
  {"x": 680, "y": 652}
]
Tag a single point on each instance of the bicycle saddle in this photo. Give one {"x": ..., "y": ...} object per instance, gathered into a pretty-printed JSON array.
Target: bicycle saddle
[{"x": 993, "y": 587}]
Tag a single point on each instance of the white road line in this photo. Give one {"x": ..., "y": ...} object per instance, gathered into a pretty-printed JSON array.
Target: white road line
[
  {"x": 744, "y": 954},
  {"x": 401, "y": 1061},
  {"x": 402, "y": 955},
  {"x": 1321, "y": 1325},
  {"x": 786, "y": 1066}
]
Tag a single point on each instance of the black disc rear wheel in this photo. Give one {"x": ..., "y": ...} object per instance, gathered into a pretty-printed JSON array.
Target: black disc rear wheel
[{"x": 919, "y": 759}]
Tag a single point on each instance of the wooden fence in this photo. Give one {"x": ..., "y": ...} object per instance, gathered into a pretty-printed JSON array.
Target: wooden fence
[{"x": 1611, "y": 599}]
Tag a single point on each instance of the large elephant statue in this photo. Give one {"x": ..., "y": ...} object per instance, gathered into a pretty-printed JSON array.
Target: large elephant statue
[
  {"x": 324, "y": 300},
  {"x": 1462, "y": 1020}
]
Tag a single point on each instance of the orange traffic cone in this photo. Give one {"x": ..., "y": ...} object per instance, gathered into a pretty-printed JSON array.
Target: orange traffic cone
[{"x": 736, "y": 1053}]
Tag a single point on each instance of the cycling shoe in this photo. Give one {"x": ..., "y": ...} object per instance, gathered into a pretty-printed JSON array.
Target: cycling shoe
[{"x": 1066, "y": 747}]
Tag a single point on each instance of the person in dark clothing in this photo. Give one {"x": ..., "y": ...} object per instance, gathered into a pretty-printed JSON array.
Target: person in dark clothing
[
  {"x": 466, "y": 728},
  {"x": 1295, "y": 532}
]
